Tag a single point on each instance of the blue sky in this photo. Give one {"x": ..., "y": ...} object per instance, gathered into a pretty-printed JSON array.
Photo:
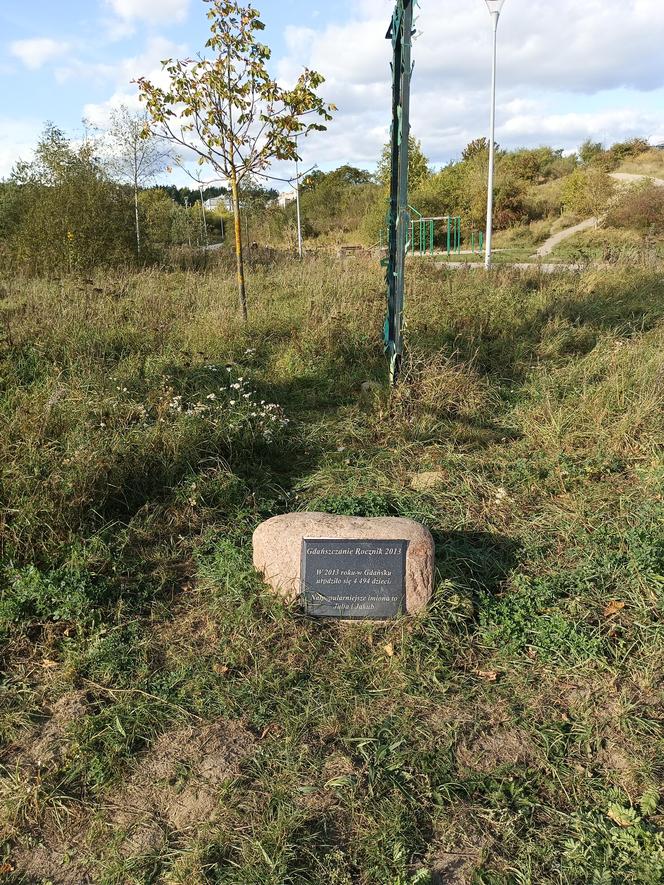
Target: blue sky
[{"x": 567, "y": 71}]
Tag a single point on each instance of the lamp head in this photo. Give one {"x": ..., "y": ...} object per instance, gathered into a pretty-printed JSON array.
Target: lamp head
[{"x": 494, "y": 6}]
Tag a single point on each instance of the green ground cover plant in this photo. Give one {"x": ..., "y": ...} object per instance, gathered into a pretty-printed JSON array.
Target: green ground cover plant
[{"x": 165, "y": 719}]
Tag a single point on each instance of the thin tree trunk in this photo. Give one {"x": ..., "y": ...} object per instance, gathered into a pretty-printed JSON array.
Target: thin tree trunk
[
  {"x": 242, "y": 293},
  {"x": 138, "y": 226}
]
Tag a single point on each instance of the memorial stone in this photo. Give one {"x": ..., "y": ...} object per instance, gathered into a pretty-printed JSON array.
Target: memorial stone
[{"x": 352, "y": 568}]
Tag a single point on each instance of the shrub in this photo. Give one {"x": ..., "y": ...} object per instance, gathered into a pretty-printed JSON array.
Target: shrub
[
  {"x": 587, "y": 192},
  {"x": 641, "y": 209}
]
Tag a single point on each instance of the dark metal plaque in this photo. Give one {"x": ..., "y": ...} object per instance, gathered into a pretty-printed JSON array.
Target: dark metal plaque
[{"x": 353, "y": 579}]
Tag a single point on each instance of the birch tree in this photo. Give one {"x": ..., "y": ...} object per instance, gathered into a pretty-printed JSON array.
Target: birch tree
[
  {"x": 227, "y": 110},
  {"x": 136, "y": 158}
]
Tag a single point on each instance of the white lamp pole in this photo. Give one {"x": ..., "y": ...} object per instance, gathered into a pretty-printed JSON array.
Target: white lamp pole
[{"x": 495, "y": 7}]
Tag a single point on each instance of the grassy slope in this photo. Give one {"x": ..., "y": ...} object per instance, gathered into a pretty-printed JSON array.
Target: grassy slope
[
  {"x": 513, "y": 733},
  {"x": 648, "y": 163}
]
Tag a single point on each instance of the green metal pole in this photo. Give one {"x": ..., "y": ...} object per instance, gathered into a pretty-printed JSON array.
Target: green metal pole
[
  {"x": 400, "y": 33},
  {"x": 448, "y": 235}
]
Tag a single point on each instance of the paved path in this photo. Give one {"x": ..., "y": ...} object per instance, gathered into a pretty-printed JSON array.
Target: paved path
[
  {"x": 549, "y": 245},
  {"x": 519, "y": 265}
]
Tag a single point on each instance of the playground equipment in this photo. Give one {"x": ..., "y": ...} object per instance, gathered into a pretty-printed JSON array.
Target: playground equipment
[
  {"x": 400, "y": 33},
  {"x": 423, "y": 230},
  {"x": 476, "y": 241},
  {"x": 422, "y": 234}
]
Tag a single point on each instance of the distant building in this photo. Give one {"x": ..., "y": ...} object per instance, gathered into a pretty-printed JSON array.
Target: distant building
[
  {"x": 286, "y": 197},
  {"x": 216, "y": 202}
]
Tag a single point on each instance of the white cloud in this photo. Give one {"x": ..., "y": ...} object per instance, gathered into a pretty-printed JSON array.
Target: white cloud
[
  {"x": 37, "y": 51},
  {"x": 100, "y": 114},
  {"x": 556, "y": 60},
  {"x": 147, "y": 64},
  {"x": 154, "y": 11},
  {"x": 17, "y": 141}
]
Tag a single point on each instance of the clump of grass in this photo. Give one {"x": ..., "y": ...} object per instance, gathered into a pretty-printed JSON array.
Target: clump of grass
[
  {"x": 609, "y": 402},
  {"x": 439, "y": 387}
]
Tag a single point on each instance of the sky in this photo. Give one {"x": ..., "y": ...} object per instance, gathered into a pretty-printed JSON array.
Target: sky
[{"x": 567, "y": 70}]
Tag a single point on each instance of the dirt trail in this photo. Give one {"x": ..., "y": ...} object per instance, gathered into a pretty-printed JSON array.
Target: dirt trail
[
  {"x": 626, "y": 177},
  {"x": 549, "y": 245},
  {"x": 630, "y": 177}
]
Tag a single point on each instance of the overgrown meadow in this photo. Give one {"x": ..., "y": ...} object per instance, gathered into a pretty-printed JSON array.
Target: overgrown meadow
[{"x": 165, "y": 720}]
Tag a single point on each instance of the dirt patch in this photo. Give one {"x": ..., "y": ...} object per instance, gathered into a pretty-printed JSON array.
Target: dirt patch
[
  {"x": 495, "y": 748},
  {"x": 457, "y": 852},
  {"x": 618, "y": 763},
  {"x": 175, "y": 786},
  {"x": 53, "y": 740},
  {"x": 448, "y": 868},
  {"x": 53, "y": 857},
  {"x": 46, "y": 745}
]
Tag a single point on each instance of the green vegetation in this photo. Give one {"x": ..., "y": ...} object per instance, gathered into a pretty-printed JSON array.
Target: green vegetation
[
  {"x": 225, "y": 109},
  {"x": 70, "y": 211},
  {"x": 166, "y": 719},
  {"x": 63, "y": 212}
]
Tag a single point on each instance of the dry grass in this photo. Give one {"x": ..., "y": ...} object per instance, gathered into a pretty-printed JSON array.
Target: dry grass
[{"x": 511, "y": 734}]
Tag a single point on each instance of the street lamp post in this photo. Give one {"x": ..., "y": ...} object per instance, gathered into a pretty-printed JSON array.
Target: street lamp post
[{"x": 495, "y": 7}]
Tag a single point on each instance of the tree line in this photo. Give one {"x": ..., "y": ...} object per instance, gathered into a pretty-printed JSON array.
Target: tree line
[{"x": 80, "y": 205}]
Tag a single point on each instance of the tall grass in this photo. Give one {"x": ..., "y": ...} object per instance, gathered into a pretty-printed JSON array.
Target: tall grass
[{"x": 510, "y": 734}]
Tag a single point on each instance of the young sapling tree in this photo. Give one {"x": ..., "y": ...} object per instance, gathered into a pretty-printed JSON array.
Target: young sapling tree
[{"x": 229, "y": 111}]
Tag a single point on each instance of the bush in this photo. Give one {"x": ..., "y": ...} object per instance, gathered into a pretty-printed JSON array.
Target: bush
[
  {"x": 66, "y": 594},
  {"x": 544, "y": 200},
  {"x": 587, "y": 192},
  {"x": 640, "y": 209}
]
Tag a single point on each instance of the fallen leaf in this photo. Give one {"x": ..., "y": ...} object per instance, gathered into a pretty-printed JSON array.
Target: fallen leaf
[
  {"x": 613, "y": 608},
  {"x": 489, "y": 675},
  {"x": 221, "y": 669},
  {"x": 272, "y": 728},
  {"x": 389, "y": 649},
  {"x": 48, "y": 665},
  {"x": 624, "y": 817}
]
